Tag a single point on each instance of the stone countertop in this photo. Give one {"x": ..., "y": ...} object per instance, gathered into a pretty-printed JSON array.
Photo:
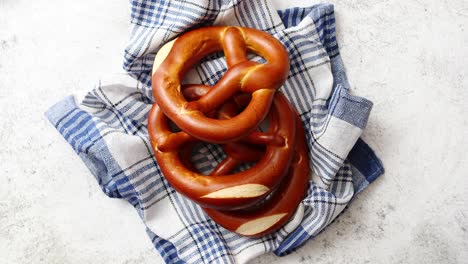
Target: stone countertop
[{"x": 408, "y": 57}]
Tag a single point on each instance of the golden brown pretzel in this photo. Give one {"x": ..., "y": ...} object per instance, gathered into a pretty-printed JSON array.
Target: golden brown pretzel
[
  {"x": 261, "y": 80},
  {"x": 272, "y": 215},
  {"x": 267, "y": 216},
  {"x": 233, "y": 191},
  {"x": 236, "y": 152}
]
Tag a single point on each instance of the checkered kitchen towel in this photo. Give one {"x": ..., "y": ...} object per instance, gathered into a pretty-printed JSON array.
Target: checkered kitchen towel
[{"x": 108, "y": 128}]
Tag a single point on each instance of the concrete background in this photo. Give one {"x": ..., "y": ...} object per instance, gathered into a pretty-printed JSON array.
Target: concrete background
[{"x": 407, "y": 56}]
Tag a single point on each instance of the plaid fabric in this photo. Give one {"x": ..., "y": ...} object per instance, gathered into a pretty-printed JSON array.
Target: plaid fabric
[{"x": 108, "y": 128}]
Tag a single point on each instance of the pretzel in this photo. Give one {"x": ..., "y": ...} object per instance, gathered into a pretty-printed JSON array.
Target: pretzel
[
  {"x": 259, "y": 200},
  {"x": 227, "y": 191},
  {"x": 261, "y": 80},
  {"x": 272, "y": 213},
  {"x": 277, "y": 210}
]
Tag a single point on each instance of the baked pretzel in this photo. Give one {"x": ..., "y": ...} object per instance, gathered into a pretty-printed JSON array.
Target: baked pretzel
[
  {"x": 261, "y": 199},
  {"x": 272, "y": 213},
  {"x": 282, "y": 204},
  {"x": 261, "y": 80},
  {"x": 227, "y": 191}
]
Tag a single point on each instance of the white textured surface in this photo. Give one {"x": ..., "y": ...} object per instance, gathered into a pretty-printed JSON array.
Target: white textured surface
[{"x": 409, "y": 57}]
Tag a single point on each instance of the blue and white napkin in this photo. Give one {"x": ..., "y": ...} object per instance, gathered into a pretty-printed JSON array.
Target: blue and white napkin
[{"x": 107, "y": 129}]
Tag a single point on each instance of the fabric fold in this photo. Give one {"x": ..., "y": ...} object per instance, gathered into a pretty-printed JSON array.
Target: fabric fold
[{"x": 108, "y": 128}]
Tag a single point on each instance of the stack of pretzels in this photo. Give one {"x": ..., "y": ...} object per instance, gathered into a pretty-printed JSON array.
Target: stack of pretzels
[{"x": 251, "y": 202}]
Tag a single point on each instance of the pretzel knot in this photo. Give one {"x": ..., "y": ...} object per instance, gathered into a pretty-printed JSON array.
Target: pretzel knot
[
  {"x": 243, "y": 75},
  {"x": 222, "y": 189},
  {"x": 255, "y": 201}
]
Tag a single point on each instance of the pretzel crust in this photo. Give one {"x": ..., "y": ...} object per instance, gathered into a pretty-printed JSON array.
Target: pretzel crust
[
  {"x": 229, "y": 191},
  {"x": 261, "y": 80},
  {"x": 261, "y": 199},
  {"x": 280, "y": 207}
]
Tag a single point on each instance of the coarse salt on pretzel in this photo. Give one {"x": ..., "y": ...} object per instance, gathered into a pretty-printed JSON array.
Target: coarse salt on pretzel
[{"x": 260, "y": 79}]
